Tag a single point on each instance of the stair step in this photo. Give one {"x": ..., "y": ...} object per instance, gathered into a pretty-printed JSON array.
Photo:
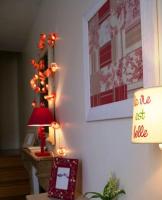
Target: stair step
[
  {"x": 13, "y": 174},
  {"x": 10, "y": 161},
  {"x": 15, "y": 183},
  {"x": 14, "y": 179},
  {"x": 14, "y": 198},
  {"x": 14, "y": 189}
]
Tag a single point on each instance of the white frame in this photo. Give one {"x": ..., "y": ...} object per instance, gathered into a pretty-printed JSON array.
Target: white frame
[
  {"x": 124, "y": 109},
  {"x": 51, "y": 140},
  {"x": 29, "y": 140},
  {"x": 159, "y": 7}
]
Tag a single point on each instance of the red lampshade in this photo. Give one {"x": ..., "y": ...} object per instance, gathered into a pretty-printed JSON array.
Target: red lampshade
[{"x": 40, "y": 117}]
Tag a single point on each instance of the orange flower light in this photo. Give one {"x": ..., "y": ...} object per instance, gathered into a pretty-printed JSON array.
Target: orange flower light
[
  {"x": 55, "y": 125},
  {"x": 50, "y": 97},
  {"x": 54, "y": 67},
  {"x": 42, "y": 41},
  {"x": 41, "y": 65},
  {"x": 34, "y": 103},
  {"x": 52, "y": 39},
  {"x": 61, "y": 152}
]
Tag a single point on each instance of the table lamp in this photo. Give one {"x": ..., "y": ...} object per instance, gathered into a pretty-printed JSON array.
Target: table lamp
[
  {"x": 41, "y": 117},
  {"x": 147, "y": 116}
]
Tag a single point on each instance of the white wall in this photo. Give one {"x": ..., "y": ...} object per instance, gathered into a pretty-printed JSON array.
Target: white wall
[
  {"x": 9, "y": 126},
  {"x": 102, "y": 146}
]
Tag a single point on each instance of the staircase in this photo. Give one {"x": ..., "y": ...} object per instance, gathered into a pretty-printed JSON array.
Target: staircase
[{"x": 14, "y": 180}]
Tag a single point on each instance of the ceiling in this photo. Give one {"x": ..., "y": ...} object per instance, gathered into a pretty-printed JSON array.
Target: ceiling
[{"x": 16, "y": 19}]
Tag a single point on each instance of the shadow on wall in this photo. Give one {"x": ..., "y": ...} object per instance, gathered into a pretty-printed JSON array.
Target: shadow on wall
[{"x": 9, "y": 118}]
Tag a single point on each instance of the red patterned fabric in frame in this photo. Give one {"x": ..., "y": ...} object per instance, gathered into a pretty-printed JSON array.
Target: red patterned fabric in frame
[
  {"x": 115, "y": 52},
  {"x": 63, "y": 178}
]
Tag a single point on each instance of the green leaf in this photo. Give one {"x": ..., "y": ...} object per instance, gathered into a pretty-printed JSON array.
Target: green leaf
[
  {"x": 94, "y": 195},
  {"x": 117, "y": 193}
]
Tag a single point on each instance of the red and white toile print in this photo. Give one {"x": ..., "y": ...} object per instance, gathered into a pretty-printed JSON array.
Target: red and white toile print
[{"x": 115, "y": 52}]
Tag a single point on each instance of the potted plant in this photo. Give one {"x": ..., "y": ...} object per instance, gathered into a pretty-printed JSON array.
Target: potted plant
[{"x": 110, "y": 191}]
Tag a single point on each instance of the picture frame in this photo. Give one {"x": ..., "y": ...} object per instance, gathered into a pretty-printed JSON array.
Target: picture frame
[
  {"x": 149, "y": 39},
  {"x": 29, "y": 140},
  {"x": 63, "y": 178}
]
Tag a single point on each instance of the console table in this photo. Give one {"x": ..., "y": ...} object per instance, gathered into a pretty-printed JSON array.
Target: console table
[
  {"x": 44, "y": 196},
  {"x": 41, "y": 165}
]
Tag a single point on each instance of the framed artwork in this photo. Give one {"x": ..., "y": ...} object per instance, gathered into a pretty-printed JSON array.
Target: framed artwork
[
  {"x": 116, "y": 39},
  {"x": 63, "y": 178},
  {"x": 29, "y": 140}
]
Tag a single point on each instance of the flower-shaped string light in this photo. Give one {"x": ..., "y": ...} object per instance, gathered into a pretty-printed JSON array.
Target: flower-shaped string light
[
  {"x": 42, "y": 41},
  {"x": 51, "y": 40},
  {"x": 61, "y": 151},
  {"x": 39, "y": 78},
  {"x": 50, "y": 97},
  {"x": 52, "y": 37},
  {"x": 38, "y": 82}
]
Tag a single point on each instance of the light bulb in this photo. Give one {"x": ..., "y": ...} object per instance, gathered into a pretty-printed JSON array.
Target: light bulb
[
  {"x": 42, "y": 82},
  {"x": 34, "y": 103},
  {"x": 61, "y": 152},
  {"x": 160, "y": 146},
  {"x": 55, "y": 125},
  {"x": 36, "y": 76}
]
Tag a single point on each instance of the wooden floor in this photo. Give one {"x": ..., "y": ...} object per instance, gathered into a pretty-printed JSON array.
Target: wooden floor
[{"x": 14, "y": 180}]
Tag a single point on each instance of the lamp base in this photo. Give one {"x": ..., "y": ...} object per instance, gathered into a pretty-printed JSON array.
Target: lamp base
[{"x": 42, "y": 154}]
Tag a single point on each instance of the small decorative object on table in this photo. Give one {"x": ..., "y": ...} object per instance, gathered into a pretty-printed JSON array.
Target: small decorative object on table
[
  {"x": 110, "y": 191},
  {"x": 63, "y": 178},
  {"x": 29, "y": 140}
]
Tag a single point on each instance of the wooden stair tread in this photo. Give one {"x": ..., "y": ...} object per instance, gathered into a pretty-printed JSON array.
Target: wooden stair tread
[
  {"x": 13, "y": 174},
  {"x": 23, "y": 197},
  {"x": 14, "y": 179},
  {"x": 14, "y": 190},
  {"x": 10, "y": 152},
  {"x": 14, "y": 182},
  {"x": 10, "y": 161}
]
